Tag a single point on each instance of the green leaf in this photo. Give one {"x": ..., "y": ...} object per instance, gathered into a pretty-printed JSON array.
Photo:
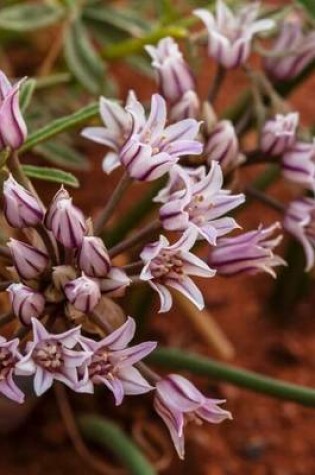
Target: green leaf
[
  {"x": 26, "y": 93},
  {"x": 125, "y": 20},
  {"x": 51, "y": 174},
  {"x": 62, "y": 155},
  {"x": 30, "y": 16},
  {"x": 82, "y": 58},
  {"x": 107, "y": 434},
  {"x": 309, "y": 6}
]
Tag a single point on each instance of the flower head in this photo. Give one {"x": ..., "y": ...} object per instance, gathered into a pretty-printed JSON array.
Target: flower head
[
  {"x": 168, "y": 265},
  {"x": 26, "y": 302},
  {"x": 9, "y": 356},
  {"x": 230, "y": 35},
  {"x": 21, "y": 208},
  {"x": 279, "y": 134},
  {"x": 30, "y": 262},
  {"x": 112, "y": 363},
  {"x": 178, "y": 402}
]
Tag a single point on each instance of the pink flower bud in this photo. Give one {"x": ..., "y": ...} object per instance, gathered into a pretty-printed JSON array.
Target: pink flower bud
[
  {"x": 29, "y": 261},
  {"x": 279, "y": 134},
  {"x": 83, "y": 293},
  {"x": 93, "y": 257},
  {"x": 26, "y": 302},
  {"x": 65, "y": 220},
  {"x": 12, "y": 125},
  {"x": 21, "y": 208},
  {"x": 222, "y": 145},
  {"x": 187, "y": 107}
]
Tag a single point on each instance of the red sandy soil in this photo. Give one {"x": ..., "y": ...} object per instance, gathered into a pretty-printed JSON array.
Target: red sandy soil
[{"x": 267, "y": 436}]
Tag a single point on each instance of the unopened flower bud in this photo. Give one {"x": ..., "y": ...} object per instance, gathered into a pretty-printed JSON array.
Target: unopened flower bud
[
  {"x": 279, "y": 134},
  {"x": 83, "y": 293},
  {"x": 222, "y": 145},
  {"x": 29, "y": 261},
  {"x": 187, "y": 107},
  {"x": 26, "y": 302},
  {"x": 93, "y": 257},
  {"x": 21, "y": 208},
  {"x": 61, "y": 275},
  {"x": 12, "y": 125},
  {"x": 65, "y": 220}
]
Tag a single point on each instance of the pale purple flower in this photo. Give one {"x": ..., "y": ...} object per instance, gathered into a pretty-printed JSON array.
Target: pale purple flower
[
  {"x": 250, "y": 252},
  {"x": 188, "y": 106},
  {"x": 29, "y": 262},
  {"x": 13, "y": 129},
  {"x": 222, "y": 145},
  {"x": 26, "y": 302},
  {"x": 83, "y": 293},
  {"x": 279, "y": 134},
  {"x": 299, "y": 221},
  {"x": 93, "y": 257},
  {"x": 153, "y": 148},
  {"x": 202, "y": 207},
  {"x": 117, "y": 126},
  {"x": 65, "y": 220},
  {"x": 168, "y": 265},
  {"x": 177, "y": 180},
  {"x": 300, "y": 49},
  {"x": 174, "y": 75},
  {"x": 21, "y": 208},
  {"x": 230, "y": 35},
  {"x": 112, "y": 363},
  {"x": 298, "y": 164},
  {"x": 9, "y": 356},
  {"x": 178, "y": 402},
  {"x": 115, "y": 283},
  {"x": 52, "y": 357}
]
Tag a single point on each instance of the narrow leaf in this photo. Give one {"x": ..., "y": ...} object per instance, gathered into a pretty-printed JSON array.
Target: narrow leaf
[
  {"x": 26, "y": 93},
  {"x": 125, "y": 20},
  {"x": 51, "y": 174},
  {"x": 309, "y": 6},
  {"x": 30, "y": 16},
  {"x": 62, "y": 155}
]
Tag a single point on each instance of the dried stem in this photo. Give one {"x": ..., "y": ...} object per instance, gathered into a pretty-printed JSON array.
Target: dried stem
[
  {"x": 6, "y": 318},
  {"x": 268, "y": 200},
  {"x": 135, "y": 238},
  {"x": 5, "y": 252},
  {"x": 5, "y": 284},
  {"x": 133, "y": 267}
]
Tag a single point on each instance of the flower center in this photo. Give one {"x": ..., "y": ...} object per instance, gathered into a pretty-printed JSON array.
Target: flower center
[
  {"x": 7, "y": 362},
  {"x": 100, "y": 365},
  {"x": 49, "y": 355},
  {"x": 167, "y": 264}
]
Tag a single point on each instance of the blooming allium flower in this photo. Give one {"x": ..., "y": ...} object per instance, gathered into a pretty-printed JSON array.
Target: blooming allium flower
[
  {"x": 279, "y": 134},
  {"x": 202, "y": 206},
  {"x": 250, "y": 252},
  {"x": 13, "y": 129},
  {"x": 21, "y": 208},
  {"x": 26, "y": 302},
  {"x": 112, "y": 363},
  {"x": 230, "y": 35},
  {"x": 174, "y": 75},
  {"x": 52, "y": 357},
  {"x": 117, "y": 129},
  {"x": 222, "y": 145},
  {"x": 9, "y": 356},
  {"x": 300, "y": 48},
  {"x": 178, "y": 402},
  {"x": 299, "y": 221},
  {"x": 176, "y": 184},
  {"x": 93, "y": 257},
  {"x": 187, "y": 107},
  {"x": 153, "y": 148},
  {"x": 298, "y": 164},
  {"x": 65, "y": 220},
  {"x": 30, "y": 262},
  {"x": 83, "y": 293},
  {"x": 170, "y": 266}
]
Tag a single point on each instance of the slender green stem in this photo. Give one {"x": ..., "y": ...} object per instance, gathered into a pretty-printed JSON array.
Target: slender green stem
[
  {"x": 181, "y": 360},
  {"x": 107, "y": 434},
  {"x": 264, "y": 198},
  {"x": 217, "y": 83},
  {"x": 135, "y": 238}
]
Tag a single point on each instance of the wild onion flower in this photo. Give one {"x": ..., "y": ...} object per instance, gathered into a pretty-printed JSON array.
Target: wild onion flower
[
  {"x": 177, "y": 181},
  {"x": 279, "y": 134},
  {"x": 112, "y": 361},
  {"x": 298, "y": 164},
  {"x": 26, "y": 302},
  {"x": 187, "y": 107},
  {"x": 29, "y": 261},
  {"x": 249, "y": 252},
  {"x": 230, "y": 35},
  {"x": 222, "y": 145},
  {"x": 299, "y": 221},
  {"x": 9, "y": 356},
  {"x": 13, "y": 129},
  {"x": 93, "y": 257},
  {"x": 21, "y": 208},
  {"x": 300, "y": 49},
  {"x": 174, "y": 75},
  {"x": 83, "y": 293},
  {"x": 52, "y": 357},
  {"x": 179, "y": 402},
  {"x": 202, "y": 206},
  {"x": 168, "y": 265}
]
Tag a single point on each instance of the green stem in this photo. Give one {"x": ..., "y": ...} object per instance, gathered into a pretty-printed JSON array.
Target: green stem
[
  {"x": 179, "y": 360},
  {"x": 108, "y": 435}
]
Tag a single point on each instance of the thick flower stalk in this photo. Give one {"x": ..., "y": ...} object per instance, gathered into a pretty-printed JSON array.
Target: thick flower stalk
[
  {"x": 250, "y": 252},
  {"x": 179, "y": 402},
  {"x": 231, "y": 35},
  {"x": 202, "y": 207},
  {"x": 168, "y": 265}
]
